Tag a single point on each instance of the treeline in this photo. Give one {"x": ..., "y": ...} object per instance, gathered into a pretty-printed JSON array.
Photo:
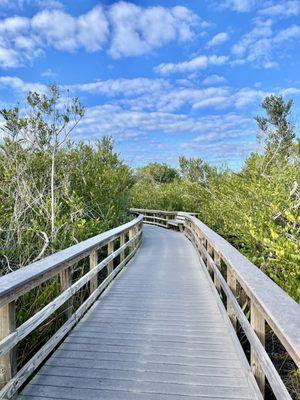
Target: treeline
[
  {"x": 54, "y": 192},
  {"x": 256, "y": 209}
]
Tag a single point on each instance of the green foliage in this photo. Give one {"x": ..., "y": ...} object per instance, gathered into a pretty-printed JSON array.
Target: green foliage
[
  {"x": 54, "y": 193},
  {"x": 157, "y": 173},
  {"x": 276, "y": 131},
  {"x": 256, "y": 209}
]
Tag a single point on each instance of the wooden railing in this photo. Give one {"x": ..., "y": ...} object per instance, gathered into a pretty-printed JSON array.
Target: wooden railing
[
  {"x": 16, "y": 284},
  {"x": 269, "y": 304}
]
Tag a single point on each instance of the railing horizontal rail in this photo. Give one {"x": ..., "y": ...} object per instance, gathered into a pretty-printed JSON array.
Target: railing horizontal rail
[
  {"x": 280, "y": 311},
  {"x": 272, "y": 375},
  {"x": 22, "y": 331},
  {"x": 268, "y": 302},
  {"x": 16, "y": 283}
]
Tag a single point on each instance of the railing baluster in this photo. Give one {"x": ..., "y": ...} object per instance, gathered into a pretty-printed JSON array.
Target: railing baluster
[
  {"x": 258, "y": 324},
  {"x": 209, "y": 250},
  {"x": 231, "y": 280},
  {"x": 130, "y": 236},
  {"x": 110, "y": 250},
  {"x": 8, "y": 364},
  {"x": 65, "y": 282},
  {"x": 93, "y": 263},
  {"x": 122, "y": 242},
  {"x": 217, "y": 260}
]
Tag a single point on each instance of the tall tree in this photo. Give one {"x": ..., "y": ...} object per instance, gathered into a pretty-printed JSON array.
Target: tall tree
[
  {"x": 44, "y": 127},
  {"x": 276, "y": 131}
]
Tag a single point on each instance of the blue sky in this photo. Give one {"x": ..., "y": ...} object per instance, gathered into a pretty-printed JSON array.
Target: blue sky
[{"x": 164, "y": 78}]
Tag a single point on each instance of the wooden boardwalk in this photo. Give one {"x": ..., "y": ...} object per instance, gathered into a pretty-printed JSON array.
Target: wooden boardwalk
[{"x": 159, "y": 332}]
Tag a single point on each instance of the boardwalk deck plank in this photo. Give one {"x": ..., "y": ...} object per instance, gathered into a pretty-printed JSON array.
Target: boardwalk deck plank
[{"x": 157, "y": 333}]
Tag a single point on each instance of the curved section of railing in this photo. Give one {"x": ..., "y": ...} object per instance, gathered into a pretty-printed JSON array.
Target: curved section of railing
[
  {"x": 17, "y": 283},
  {"x": 268, "y": 302}
]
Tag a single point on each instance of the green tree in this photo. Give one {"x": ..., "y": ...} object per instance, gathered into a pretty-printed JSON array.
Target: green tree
[
  {"x": 194, "y": 169},
  {"x": 276, "y": 131},
  {"x": 157, "y": 173}
]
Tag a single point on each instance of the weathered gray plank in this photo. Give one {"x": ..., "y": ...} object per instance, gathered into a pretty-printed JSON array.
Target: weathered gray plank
[
  {"x": 13, "y": 285},
  {"x": 158, "y": 332},
  {"x": 280, "y": 311}
]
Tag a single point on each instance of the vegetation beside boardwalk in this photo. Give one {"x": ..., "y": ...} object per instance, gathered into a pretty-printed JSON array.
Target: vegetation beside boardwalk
[
  {"x": 55, "y": 193},
  {"x": 256, "y": 209}
]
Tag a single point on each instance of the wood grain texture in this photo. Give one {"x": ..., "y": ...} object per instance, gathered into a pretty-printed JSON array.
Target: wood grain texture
[
  {"x": 280, "y": 311},
  {"x": 16, "y": 283},
  {"x": 231, "y": 281},
  {"x": 258, "y": 324},
  {"x": 32, "y": 323},
  {"x": 24, "y": 373},
  {"x": 110, "y": 250},
  {"x": 156, "y": 333},
  {"x": 66, "y": 282},
  {"x": 93, "y": 263},
  {"x": 7, "y": 325},
  {"x": 257, "y": 347}
]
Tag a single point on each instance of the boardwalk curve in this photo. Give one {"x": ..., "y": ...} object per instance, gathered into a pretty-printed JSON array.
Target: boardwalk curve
[{"x": 158, "y": 332}]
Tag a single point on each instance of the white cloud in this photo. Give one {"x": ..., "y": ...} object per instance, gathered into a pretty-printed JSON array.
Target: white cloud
[
  {"x": 151, "y": 95},
  {"x": 292, "y": 91},
  {"x": 261, "y": 45},
  {"x": 50, "y": 4},
  {"x": 8, "y": 57},
  {"x": 57, "y": 28},
  {"x": 120, "y": 122},
  {"x": 121, "y": 86},
  {"x": 218, "y": 39},
  {"x": 19, "y": 86},
  {"x": 283, "y": 9},
  {"x": 141, "y": 107},
  {"x": 200, "y": 62},
  {"x": 138, "y": 30},
  {"x": 64, "y": 32},
  {"x": 290, "y": 33},
  {"x": 93, "y": 29},
  {"x": 124, "y": 28},
  {"x": 239, "y": 5},
  {"x": 213, "y": 80},
  {"x": 48, "y": 73}
]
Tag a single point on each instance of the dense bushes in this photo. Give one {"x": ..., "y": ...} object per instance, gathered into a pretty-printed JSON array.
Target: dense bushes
[
  {"x": 54, "y": 193},
  {"x": 256, "y": 209}
]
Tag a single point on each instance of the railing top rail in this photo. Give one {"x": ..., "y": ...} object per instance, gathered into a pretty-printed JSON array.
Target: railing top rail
[
  {"x": 40, "y": 270},
  {"x": 280, "y": 311},
  {"x": 142, "y": 210}
]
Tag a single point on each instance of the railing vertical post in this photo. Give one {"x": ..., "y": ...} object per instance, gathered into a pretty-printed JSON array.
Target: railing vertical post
[
  {"x": 122, "y": 242},
  {"x": 93, "y": 264},
  {"x": 209, "y": 250},
  {"x": 217, "y": 260},
  {"x": 65, "y": 282},
  {"x": 231, "y": 281},
  {"x": 110, "y": 250},
  {"x": 130, "y": 236},
  {"x": 136, "y": 232},
  {"x": 258, "y": 324},
  {"x": 8, "y": 364}
]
